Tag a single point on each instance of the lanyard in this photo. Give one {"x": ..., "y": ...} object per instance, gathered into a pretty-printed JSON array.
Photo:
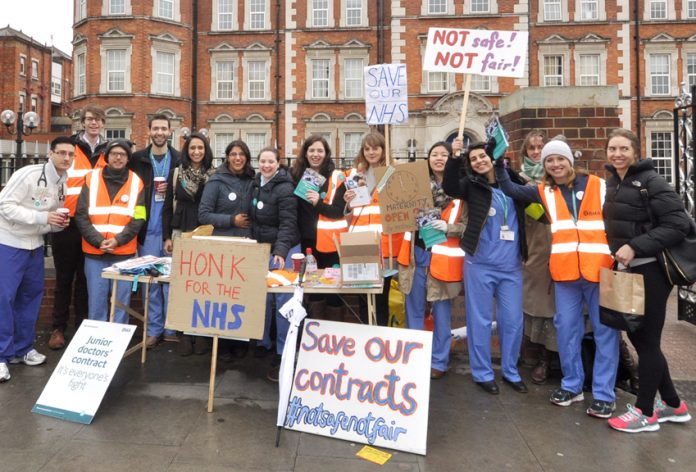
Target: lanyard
[
  {"x": 503, "y": 203},
  {"x": 159, "y": 167},
  {"x": 575, "y": 206}
]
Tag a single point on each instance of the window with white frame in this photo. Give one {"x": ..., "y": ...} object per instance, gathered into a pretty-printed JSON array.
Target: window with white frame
[
  {"x": 480, "y": 83},
  {"x": 256, "y": 142},
  {"x": 659, "y": 69},
  {"x": 353, "y": 12},
  {"x": 257, "y": 14},
  {"x": 115, "y": 133},
  {"x": 256, "y": 80},
  {"x": 225, "y": 15},
  {"x": 351, "y": 144},
  {"x": 224, "y": 80},
  {"x": 437, "y": 7},
  {"x": 22, "y": 65},
  {"x": 117, "y": 7},
  {"x": 479, "y": 6},
  {"x": 589, "y": 9},
  {"x": 34, "y": 103},
  {"x": 553, "y": 71},
  {"x": 353, "y": 78},
  {"x": 658, "y": 9},
  {"x": 691, "y": 69},
  {"x": 56, "y": 88},
  {"x": 165, "y": 9},
  {"x": 691, "y": 9},
  {"x": 34, "y": 69},
  {"x": 588, "y": 65},
  {"x": 661, "y": 152},
  {"x": 80, "y": 10},
  {"x": 552, "y": 10},
  {"x": 320, "y": 13},
  {"x": 320, "y": 78},
  {"x": 22, "y": 101},
  {"x": 116, "y": 70},
  {"x": 81, "y": 73},
  {"x": 220, "y": 143},
  {"x": 438, "y": 82},
  {"x": 164, "y": 73}
]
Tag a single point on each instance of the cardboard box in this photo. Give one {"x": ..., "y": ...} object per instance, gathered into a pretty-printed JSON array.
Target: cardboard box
[{"x": 360, "y": 258}]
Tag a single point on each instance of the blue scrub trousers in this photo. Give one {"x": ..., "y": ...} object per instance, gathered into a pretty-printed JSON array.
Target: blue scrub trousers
[
  {"x": 483, "y": 283},
  {"x": 282, "y": 325},
  {"x": 570, "y": 327},
  {"x": 442, "y": 312},
  {"x": 21, "y": 290},
  {"x": 98, "y": 290},
  {"x": 159, "y": 293}
]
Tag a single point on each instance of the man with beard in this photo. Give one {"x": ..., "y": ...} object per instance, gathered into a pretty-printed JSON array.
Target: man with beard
[
  {"x": 67, "y": 245},
  {"x": 152, "y": 165}
]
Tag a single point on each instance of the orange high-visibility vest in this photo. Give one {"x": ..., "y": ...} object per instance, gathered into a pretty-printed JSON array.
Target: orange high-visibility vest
[
  {"x": 447, "y": 259},
  {"x": 81, "y": 166},
  {"x": 110, "y": 217},
  {"x": 326, "y": 227},
  {"x": 369, "y": 218},
  {"x": 577, "y": 248}
]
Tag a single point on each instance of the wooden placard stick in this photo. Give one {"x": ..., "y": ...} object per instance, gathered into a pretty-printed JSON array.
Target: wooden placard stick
[
  {"x": 386, "y": 143},
  {"x": 465, "y": 104},
  {"x": 213, "y": 369}
]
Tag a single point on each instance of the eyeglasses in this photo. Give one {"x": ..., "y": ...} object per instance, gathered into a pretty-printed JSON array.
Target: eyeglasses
[
  {"x": 64, "y": 153},
  {"x": 118, "y": 154},
  {"x": 90, "y": 119},
  {"x": 236, "y": 154}
]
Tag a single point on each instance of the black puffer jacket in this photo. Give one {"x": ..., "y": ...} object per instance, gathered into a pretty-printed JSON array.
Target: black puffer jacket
[
  {"x": 476, "y": 191},
  {"x": 626, "y": 218},
  {"x": 225, "y": 196},
  {"x": 273, "y": 213}
]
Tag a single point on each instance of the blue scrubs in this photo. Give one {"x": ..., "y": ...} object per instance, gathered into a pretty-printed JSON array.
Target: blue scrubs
[
  {"x": 282, "y": 325},
  {"x": 154, "y": 246},
  {"x": 495, "y": 271},
  {"x": 442, "y": 311}
]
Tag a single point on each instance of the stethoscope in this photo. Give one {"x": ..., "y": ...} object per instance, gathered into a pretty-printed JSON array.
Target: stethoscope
[{"x": 42, "y": 178}]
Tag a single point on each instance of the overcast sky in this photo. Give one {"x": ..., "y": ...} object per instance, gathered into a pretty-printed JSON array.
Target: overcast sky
[{"x": 41, "y": 19}]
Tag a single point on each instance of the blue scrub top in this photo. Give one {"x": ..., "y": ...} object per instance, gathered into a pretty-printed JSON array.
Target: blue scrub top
[{"x": 492, "y": 250}]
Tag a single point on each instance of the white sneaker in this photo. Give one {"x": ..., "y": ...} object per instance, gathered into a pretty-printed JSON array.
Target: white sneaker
[
  {"x": 4, "y": 372},
  {"x": 32, "y": 357}
]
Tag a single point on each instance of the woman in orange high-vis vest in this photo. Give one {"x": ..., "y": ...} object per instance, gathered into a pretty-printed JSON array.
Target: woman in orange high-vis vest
[
  {"x": 368, "y": 218},
  {"x": 579, "y": 249},
  {"x": 110, "y": 212},
  {"x": 434, "y": 273},
  {"x": 320, "y": 217}
]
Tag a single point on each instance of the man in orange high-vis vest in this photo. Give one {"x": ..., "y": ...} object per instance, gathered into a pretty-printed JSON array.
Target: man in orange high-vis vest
[
  {"x": 110, "y": 212},
  {"x": 71, "y": 286}
]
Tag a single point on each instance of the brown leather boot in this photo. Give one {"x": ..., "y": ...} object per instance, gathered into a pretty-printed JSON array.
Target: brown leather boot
[
  {"x": 626, "y": 359},
  {"x": 541, "y": 371},
  {"x": 57, "y": 340}
]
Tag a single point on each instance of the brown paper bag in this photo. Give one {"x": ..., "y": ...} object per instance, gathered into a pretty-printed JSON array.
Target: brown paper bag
[{"x": 621, "y": 299}]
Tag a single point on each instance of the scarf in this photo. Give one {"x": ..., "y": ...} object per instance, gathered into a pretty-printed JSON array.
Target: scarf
[
  {"x": 440, "y": 198},
  {"x": 191, "y": 179},
  {"x": 534, "y": 170}
]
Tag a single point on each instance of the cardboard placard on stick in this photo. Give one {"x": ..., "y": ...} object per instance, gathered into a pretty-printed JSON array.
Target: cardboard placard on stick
[
  {"x": 218, "y": 287},
  {"x": 405, "y": 192}
]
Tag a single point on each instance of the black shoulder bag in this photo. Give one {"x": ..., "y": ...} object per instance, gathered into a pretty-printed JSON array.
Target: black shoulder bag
[{"x": 679, "y": 261}]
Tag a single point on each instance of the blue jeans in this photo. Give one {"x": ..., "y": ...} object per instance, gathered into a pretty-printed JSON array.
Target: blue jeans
[
  {"x": 98, "y": 290},
  {"x": 282, "y": 325}
]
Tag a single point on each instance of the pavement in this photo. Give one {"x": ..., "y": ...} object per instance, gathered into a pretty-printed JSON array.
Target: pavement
[{"x": 154, "y": 418}]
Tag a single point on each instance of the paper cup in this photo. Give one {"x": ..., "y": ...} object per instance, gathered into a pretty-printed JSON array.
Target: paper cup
[
  {"x": 65, "y": 212},
  {"x": 158, "y": 182},
  {"x": 297, "y": 261}
]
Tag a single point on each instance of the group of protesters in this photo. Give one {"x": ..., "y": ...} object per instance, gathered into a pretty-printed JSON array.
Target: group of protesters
[{"x": 527, "y": 246}]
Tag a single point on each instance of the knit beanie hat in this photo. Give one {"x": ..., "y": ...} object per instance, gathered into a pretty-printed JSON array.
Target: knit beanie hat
[
  {"x": 122, "y": 143},
  {"x": 557, "y": 147}
]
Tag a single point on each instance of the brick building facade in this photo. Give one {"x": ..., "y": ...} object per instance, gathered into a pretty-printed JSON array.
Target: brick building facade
[
  {"x": 38, "y": 78},
  {"x": 272, "y": 72}
]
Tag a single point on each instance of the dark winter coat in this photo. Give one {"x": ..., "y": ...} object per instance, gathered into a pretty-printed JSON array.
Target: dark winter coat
[
  {"x": 308, "y": 215},
  {"x": 225, "y": 196},
  {"x": 140, "y": 164},
  {"x": 185, "y": 216},
  {"x": 476, "y": 191},
  {"x": 273, "y": 213},
  {"x": 86, "y": 150},
  {"x": 626, "y": 218}
]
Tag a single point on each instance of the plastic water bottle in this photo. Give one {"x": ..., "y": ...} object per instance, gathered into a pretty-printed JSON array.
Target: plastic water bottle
[{"x": 311, "y": 261}]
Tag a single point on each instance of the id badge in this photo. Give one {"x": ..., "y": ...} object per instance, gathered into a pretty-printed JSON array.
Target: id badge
[
  {"x": 159, "y": 198},
  {"x": 506, "y": 234}
]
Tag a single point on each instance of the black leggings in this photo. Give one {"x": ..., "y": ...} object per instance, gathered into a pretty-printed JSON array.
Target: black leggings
[{"x": 652, "y": 365}]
